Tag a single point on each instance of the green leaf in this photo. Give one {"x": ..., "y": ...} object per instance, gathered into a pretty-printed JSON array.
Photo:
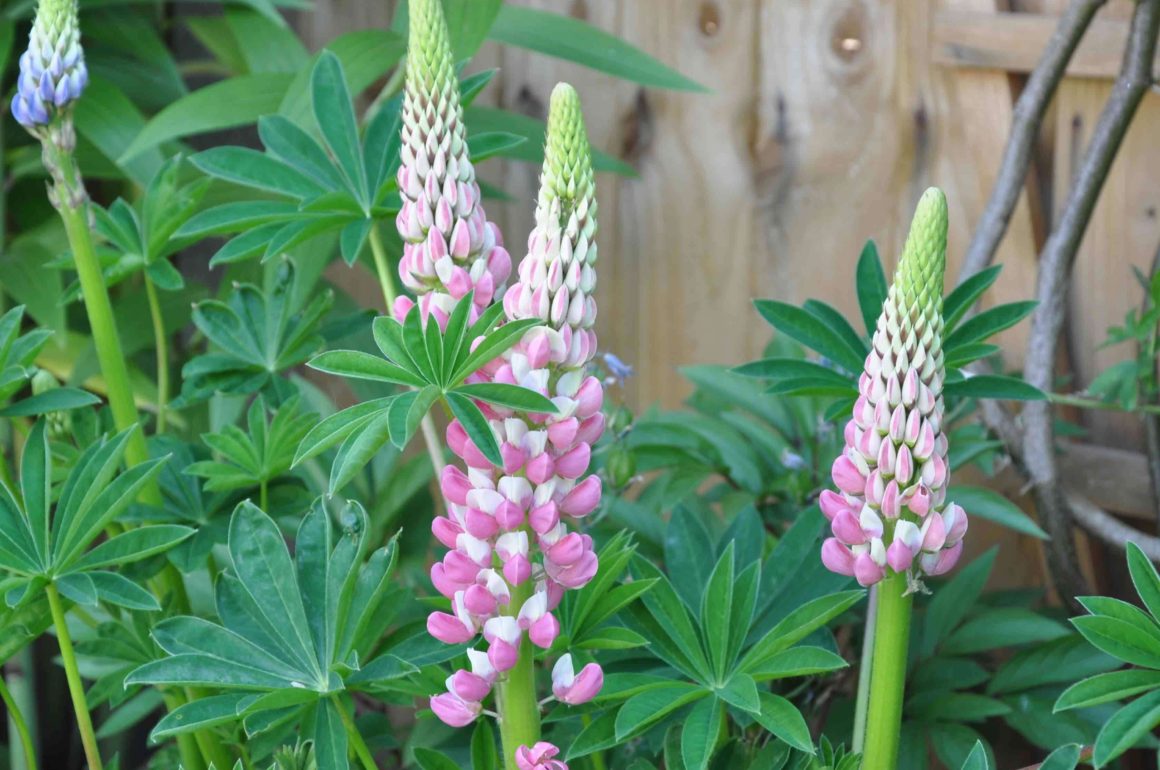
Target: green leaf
[
  {"x": 364, "y": 366},
  {"x": 468, "y": 22},
  {"x": 264, "y": 568},
  {"x": 251, "y": 168},
  {"x": 54, "y": 400},
  {"x": 120, "y": 590},
  {"x": 134, "y": 545},
  {"x": 495, "y": 344},
  {"x": 484, "y": 752},
  {"x": 699, "y": 734},
  {"x": 598, "y": 735},
  {"x": 359, "y": 447},
  {"x": 741, "y": 692},
  {"x": 977, "y": 759},
  {"x": 1145, "y": 579},
  {"x": 1002, "y": 627},
  {"x": 36, "y": 488},
  {"x": 959, "y": 301},
  {"x": 782, "y": 718},
  {"x": 488, "y": 119},
  {"x": 716, "y": 602},
  {"x": 871, "y": 284},
  {"x": 485, "y": 145},
  {"x": 1120, "y": 639},
  {"x": 1063, "y": 758},
  {"x": 511, "y": 396},
  {"x": 988, "y": 504},
  {"x": 646, "y": 709},
  {"x": 799, "y": 624},
  {"x": 1106, "y": 688},
  {"x": 837, "y": 323},
  {"x": 330, "y": 741},
  {"x": 953, "y": 600},
  {"x": 795, "y": 369},
  {"x": 408, "y": 411},
  {"x": 477, "y": 427},
  {"x": 1126, "y": 728},
  {"x": 338, "y": 426},
  {"x": 567, "y": 38},
  {"x": 1061, "y": 661},
  {"x": 78, "y": 587},
  {"x": 993, "y": 386},
  {"x": 228, "y": 103},
  {"x": 429, "y": 759},
  {"x": 988, "y": 323},
  {"x": 797, "y": 661},
  {"x": 199, "y": 714},
  {"x": 810, "y": 331},
  {"x": 334, "y": 114}
]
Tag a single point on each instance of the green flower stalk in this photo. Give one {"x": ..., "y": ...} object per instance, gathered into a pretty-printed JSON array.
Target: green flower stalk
[{"x": 52, "y": 77}]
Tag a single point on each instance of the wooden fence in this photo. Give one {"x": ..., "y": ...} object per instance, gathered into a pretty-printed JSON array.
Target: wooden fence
[{"x": 827, "y": 120}]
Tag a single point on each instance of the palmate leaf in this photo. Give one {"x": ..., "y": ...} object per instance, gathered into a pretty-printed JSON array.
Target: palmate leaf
[
  {"x": 259, "y": 454},
  {"x": 721, "y": 654},
  {"x": 142, "y": 232},
  {"x": 436, "y": 363},
  {"x": 292, "y": 631},
  {"x": 255, "y": 335},
  {"x": 42, "y": 542}
]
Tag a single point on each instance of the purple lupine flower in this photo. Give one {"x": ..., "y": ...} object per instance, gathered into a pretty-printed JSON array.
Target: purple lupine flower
[
  {"x": 891, "y": 512},
  {"x": 52, "y": 69}
]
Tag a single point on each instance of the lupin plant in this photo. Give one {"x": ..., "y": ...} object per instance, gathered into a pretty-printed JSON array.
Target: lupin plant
[
  {"x": 512, "y": 555},
  {"x": 890, "y": 518},
  {"x": 52, "y": 77},
  {"x": 891, "y": 521},
  {"x": 450, "y": 248},
  {"x": 303, "y": 618}
]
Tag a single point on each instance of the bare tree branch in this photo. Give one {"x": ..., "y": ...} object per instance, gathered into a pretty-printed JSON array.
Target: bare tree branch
[
  {"x": 1055, "y": 265},
  {"x": 1110, "y": 529},
  {"x": 1025, "y": 123},
  {"x": 1151, "y": 421}
]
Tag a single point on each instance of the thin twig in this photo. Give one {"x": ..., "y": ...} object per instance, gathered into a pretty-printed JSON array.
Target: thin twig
[
  {"x": 1025, "y": 122},
  {"x": 1055, "y": 266},
  {"x": 1147, "y": 395}
]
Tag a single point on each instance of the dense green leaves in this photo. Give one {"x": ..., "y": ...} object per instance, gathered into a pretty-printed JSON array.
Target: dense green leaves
[
  {"x": 292, "y": 634},
  {"x": 256, "y": 335},
  {"x": 567, "y": 38},
  {"x": 41, "y": 542},
  {"x": 436, "y": 362},
  {"x": 253, "y": 457}
]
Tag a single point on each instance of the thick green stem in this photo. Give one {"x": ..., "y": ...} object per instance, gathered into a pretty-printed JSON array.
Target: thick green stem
[
  {"x": 888, "y": 674},
  {"x": 161, "y": 348},
  {"x": 356, "y": 740},
  {"x": 191, "y": 758},
  {"x": 863, "y": 697},
  {"x": 104, "y": 330},
  {"x": 76, "y": 687},
  {"x": 264, "y": 495},
  {"x": 383, "y": 269},
  {"x": 16, "y": 721},
  {"x": 519, "y": 711}
]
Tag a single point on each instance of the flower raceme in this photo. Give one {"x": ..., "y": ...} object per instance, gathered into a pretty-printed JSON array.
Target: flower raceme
[
  {"x": 512, "y": 554},
  {"x": 52, "y": 69},
  {"x": 890, "y": 511},
  {"x": 449, "y": 246}
]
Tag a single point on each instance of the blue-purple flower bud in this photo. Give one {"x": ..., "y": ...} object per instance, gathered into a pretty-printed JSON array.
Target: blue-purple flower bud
[{"x": 52, "y": 70}]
